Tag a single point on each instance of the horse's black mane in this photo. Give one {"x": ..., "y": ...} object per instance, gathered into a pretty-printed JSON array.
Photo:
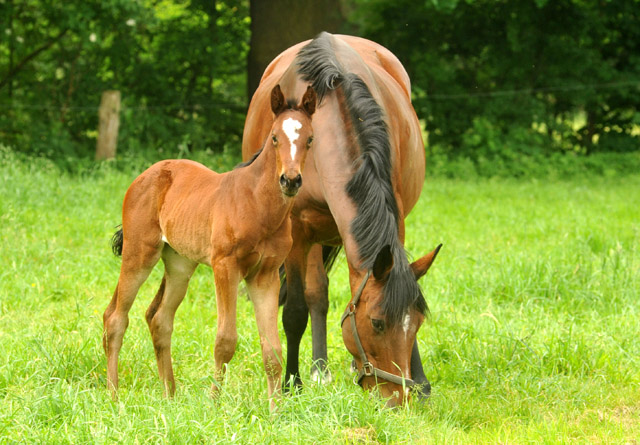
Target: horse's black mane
[{"x": 376, "y": 224}]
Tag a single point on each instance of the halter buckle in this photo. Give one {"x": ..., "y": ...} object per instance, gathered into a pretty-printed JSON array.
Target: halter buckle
[{"x": 367, "y": 369}]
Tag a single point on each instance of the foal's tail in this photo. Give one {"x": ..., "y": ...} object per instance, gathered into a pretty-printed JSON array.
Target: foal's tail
[
  {"x": 329, "y": 255},
  {"x": 116, "y": 242}
]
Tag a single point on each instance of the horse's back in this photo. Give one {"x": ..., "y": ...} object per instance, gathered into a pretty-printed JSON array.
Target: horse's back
[
  {"x": 373, "y": 54},
  {"x": 376, "y": 55},
  {"x": 169, "y": 191}
]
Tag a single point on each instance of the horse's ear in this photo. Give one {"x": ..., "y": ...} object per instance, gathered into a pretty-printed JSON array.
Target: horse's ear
[
  {"x": 278, "y": 104},
  {"x": 308, "y": 103},
  {"x": 383, "y": 264},
  {"x": 422, "y": 265}
]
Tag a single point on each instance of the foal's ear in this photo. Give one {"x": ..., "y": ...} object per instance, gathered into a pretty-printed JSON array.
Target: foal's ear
[
  {"x": 308, "y": 103},
  {"x": 383, "y": 264},
  {"x": 278, "y": 104},
  {"x": 422, "y": 265}
]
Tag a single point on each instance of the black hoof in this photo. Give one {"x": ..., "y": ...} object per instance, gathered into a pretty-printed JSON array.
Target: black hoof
[{"x": 292, "y": 384}]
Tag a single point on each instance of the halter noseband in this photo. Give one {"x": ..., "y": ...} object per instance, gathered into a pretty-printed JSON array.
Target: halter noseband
[{"x": 368, "y": 369}]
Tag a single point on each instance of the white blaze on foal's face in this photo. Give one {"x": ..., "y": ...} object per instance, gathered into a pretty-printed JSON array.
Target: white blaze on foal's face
[{"x": 290, "y": 127}]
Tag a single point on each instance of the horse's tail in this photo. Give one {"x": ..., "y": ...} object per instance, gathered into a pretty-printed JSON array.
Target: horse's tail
[
  {"x": 282, "y": 297},
  {"x": 329, "y": 255},
  {"x": 116, "y": 242}
]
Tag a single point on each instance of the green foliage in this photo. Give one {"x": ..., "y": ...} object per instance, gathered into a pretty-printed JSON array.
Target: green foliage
[
  {"x": 502, "y": 86},
  {"x": 533, "y": 336},
  {"x": 487, "y": 152},
  {"x": 512, "y": 78},
  {"x": 179, "y": 65}
]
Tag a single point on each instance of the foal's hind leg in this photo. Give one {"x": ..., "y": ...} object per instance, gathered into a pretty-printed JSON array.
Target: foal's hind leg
[
  {"x": 162, "y": 311},
  {"x": 138, "y": 260}
]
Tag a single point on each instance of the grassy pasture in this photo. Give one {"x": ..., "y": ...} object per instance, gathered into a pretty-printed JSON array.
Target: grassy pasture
[{"x": 534, "y": 332}]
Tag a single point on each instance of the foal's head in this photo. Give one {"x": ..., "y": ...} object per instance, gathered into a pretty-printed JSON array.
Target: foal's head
[{"x": 291, "y": 137}]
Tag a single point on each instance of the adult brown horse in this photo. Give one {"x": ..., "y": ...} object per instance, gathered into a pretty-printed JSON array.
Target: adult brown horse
[
  {"x": 236, "y": 222},
  {"x": 364, "y": 176}
]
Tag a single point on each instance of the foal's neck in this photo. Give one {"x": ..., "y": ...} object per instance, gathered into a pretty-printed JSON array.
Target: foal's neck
[{"x": 264, "y": 181}]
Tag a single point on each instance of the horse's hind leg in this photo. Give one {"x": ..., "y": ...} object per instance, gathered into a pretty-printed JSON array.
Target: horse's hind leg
[
  {"x": 138, "y": 260},
  {"x": 317, "y": 298},
  {"x": 161, "y": 313}
]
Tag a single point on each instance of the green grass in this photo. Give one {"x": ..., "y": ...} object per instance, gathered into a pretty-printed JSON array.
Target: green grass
[{"x": 533, "y": 337}]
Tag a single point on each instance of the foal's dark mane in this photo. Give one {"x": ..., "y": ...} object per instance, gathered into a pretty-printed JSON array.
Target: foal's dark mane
[
  {"x": 376, "y": 223},
  {"x": 250, "y": 160}
]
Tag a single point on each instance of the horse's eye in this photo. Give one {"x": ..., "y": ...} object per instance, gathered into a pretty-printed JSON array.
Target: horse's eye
[
  {"x": 274, "y": 139},
  {"x": 309, "y": 141},
  {"x": 378, "y": 325}
]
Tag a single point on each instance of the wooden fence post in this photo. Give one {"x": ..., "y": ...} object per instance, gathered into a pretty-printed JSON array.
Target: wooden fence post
[{"x": 109, "y": 115}]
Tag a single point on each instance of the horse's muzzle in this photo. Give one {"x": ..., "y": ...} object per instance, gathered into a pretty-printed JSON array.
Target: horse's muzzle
[{"x": 290, "y": 186}]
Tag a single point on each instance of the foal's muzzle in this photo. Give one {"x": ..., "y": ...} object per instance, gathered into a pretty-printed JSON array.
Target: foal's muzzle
[{"x": 290, "y": 186}]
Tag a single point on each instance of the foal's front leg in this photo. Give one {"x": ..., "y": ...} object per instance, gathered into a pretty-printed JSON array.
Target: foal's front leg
[
  {"x": 263, "y": 291},
  {"x": 227, "y": 277}
]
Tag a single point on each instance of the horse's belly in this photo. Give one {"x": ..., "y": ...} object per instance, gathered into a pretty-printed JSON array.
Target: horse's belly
[{"x": 318, "y": 226}]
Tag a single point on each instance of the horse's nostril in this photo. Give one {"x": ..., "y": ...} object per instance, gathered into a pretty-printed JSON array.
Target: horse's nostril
[{"x": 290, "y": 183}]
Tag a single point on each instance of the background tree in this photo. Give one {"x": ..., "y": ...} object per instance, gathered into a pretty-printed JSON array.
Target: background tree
[{"x": 278, "y": 24}]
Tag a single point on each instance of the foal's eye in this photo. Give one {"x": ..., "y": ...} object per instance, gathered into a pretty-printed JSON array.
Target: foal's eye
[
  {"x": 274, "y": 139},
  {"x": 377, "y": 324},
  {"x": 309, "y": 141}
]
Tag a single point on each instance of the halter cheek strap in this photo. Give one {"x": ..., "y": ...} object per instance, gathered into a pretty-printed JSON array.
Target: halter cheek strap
[{"x": 368, "y": 370}]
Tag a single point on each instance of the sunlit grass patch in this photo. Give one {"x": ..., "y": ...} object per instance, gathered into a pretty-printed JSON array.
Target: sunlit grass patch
[{"x": 533, "y": 333}]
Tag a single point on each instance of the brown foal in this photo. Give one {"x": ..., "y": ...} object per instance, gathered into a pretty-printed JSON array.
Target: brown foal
[{"x": 236, "y": 222}]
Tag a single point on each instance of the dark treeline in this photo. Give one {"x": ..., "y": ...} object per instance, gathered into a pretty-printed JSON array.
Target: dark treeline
[
  {"x": 180, "y": 66},
  {"x": 492, "y": 80}
]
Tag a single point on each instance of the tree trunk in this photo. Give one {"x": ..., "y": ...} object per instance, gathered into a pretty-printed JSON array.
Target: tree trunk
[
  {"x": 109, "y": 115},
  {"x": 278, "y": 24}
]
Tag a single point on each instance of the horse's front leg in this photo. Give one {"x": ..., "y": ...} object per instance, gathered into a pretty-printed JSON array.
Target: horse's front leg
[
  {"x": 316, "y": 295},
  {"x": 226, "y": 277},
  {"x": 263, "y": 291},
  {"x": 295, "y": 314}
]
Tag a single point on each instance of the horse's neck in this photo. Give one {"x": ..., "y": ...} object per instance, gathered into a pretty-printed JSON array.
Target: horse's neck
[{"x": 335, "y": 151}]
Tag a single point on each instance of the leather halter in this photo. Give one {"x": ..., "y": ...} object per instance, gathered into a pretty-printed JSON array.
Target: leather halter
[{"x": 368, "y": 369}]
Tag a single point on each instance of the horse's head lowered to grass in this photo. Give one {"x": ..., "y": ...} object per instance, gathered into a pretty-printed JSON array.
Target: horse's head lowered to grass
[{"x": 380, "y": 324}]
